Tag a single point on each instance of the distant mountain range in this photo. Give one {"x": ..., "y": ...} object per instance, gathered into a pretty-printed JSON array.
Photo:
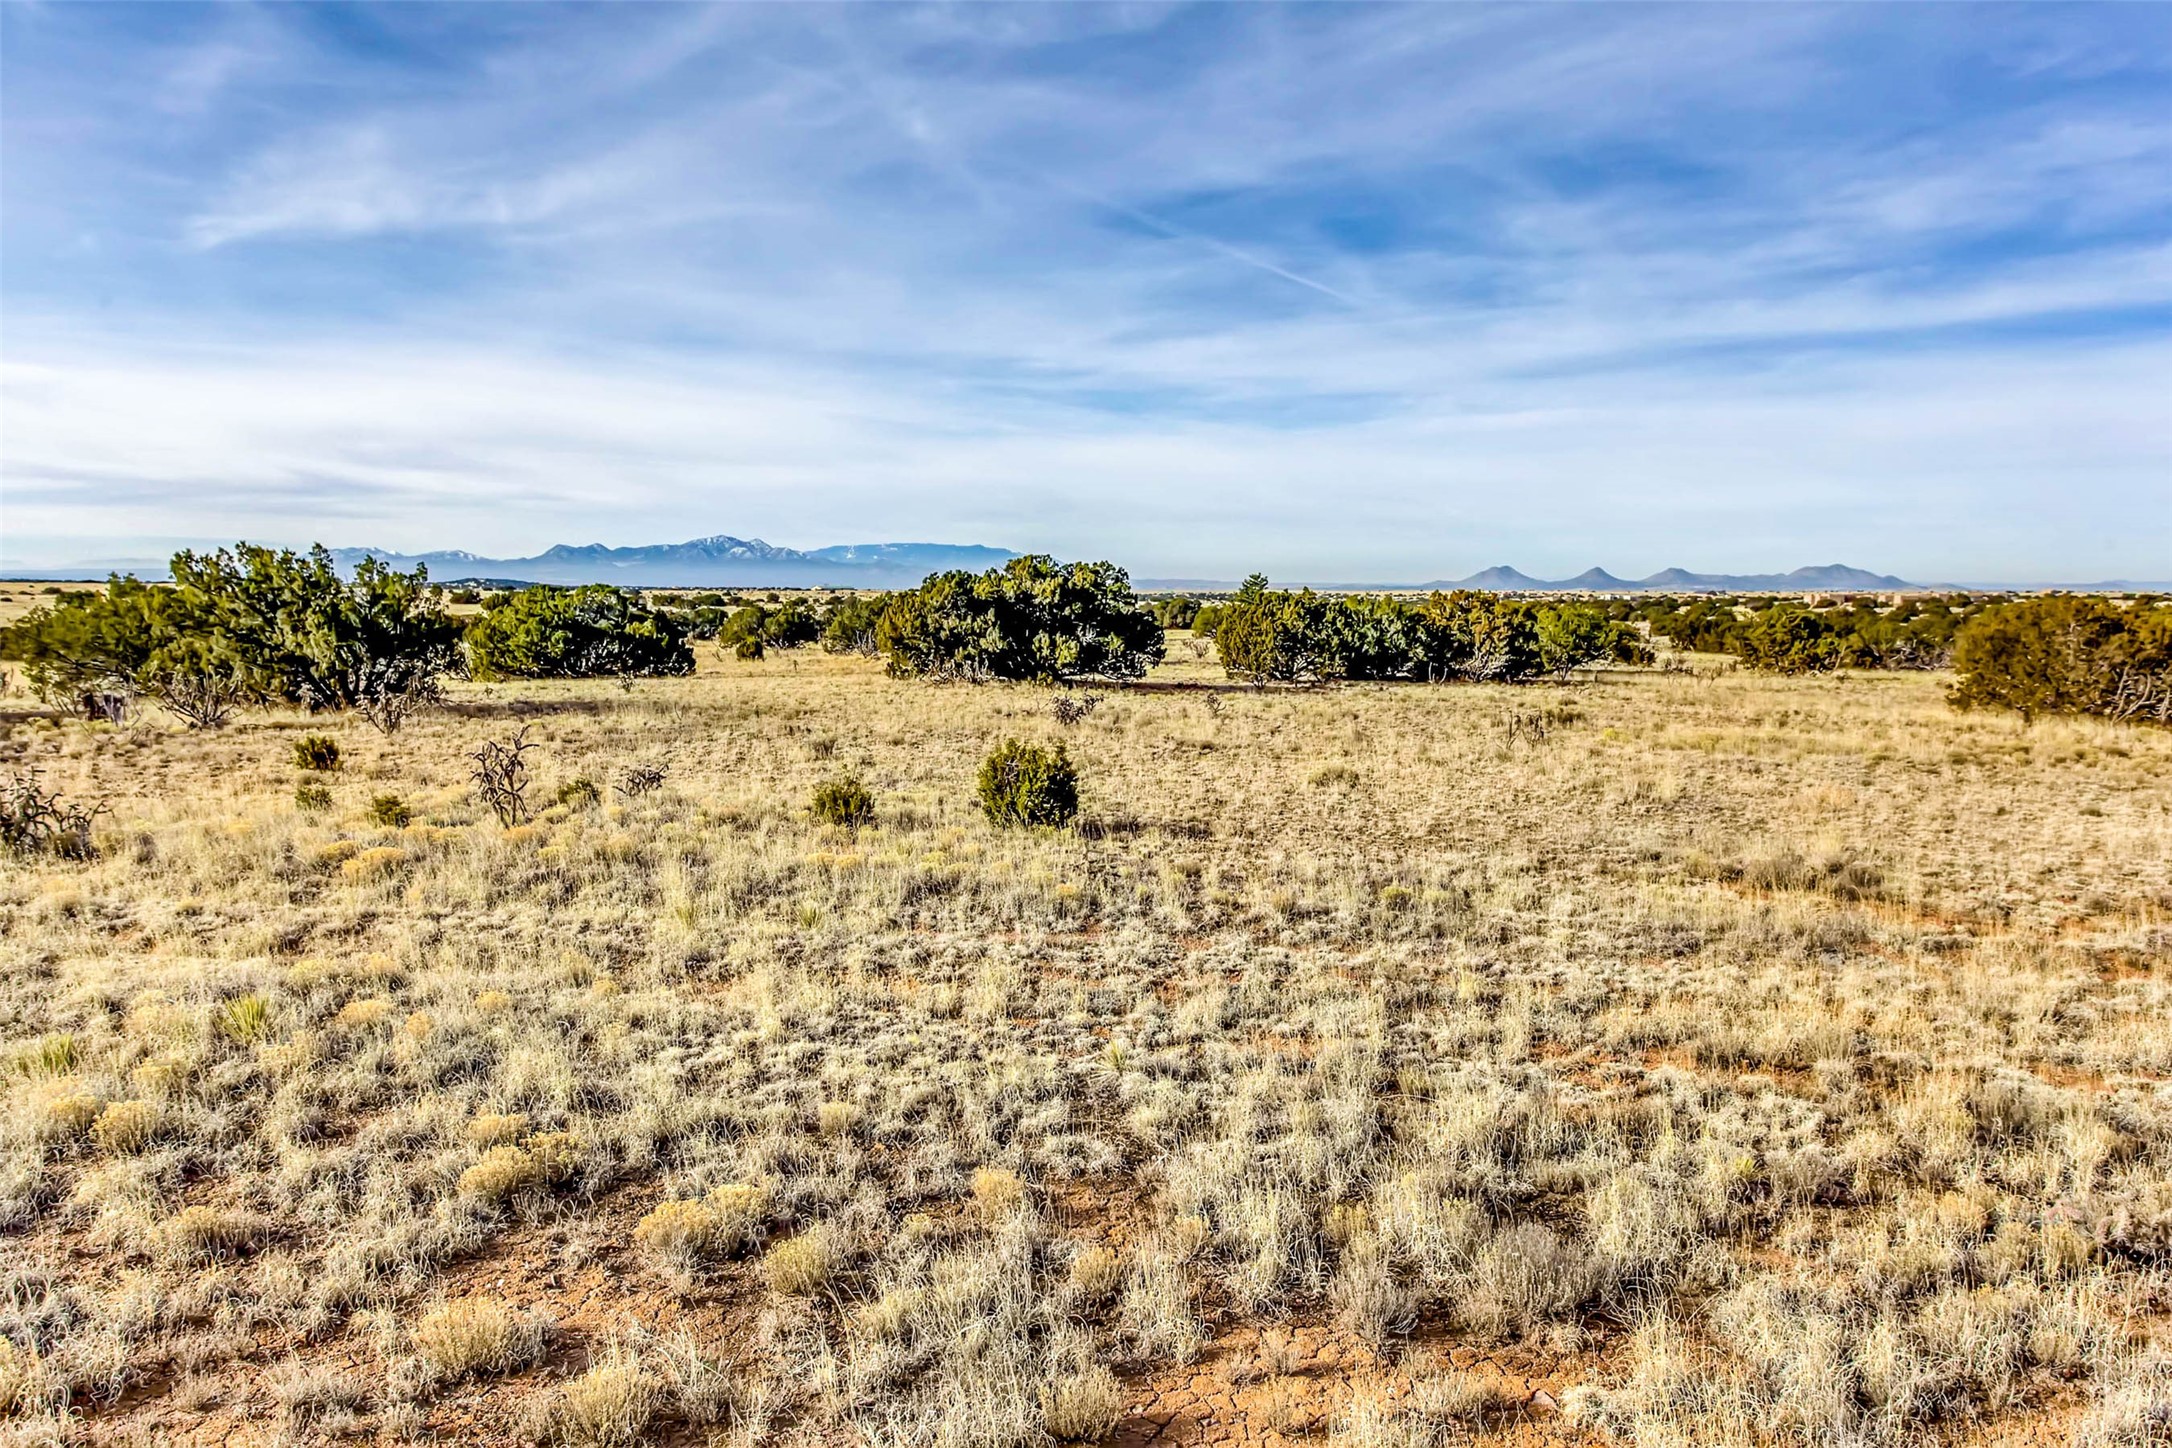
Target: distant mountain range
[
  {"x": 1829, "y": 578},
  {"x": 1826, "y": 578},
  {"x": 723, "y": 561},
  {"x": 750, "y": 563},
  {"x": 720, "y": 561}
]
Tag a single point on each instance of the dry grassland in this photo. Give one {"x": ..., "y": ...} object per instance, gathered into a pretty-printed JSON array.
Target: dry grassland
[
  {"x": 1665, "y": 1060},
  {"x": 17, "y": 599}
]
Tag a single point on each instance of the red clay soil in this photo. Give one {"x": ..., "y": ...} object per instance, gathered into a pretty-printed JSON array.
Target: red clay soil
[
  {"x": 1231, "y": 1395},
  {"x": 1254, "y": 1384}
]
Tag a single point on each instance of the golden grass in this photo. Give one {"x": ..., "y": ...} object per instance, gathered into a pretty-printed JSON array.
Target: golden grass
[
  {"x": 1795, "y": 1051},
  {"x": 476, "y": 1336}
]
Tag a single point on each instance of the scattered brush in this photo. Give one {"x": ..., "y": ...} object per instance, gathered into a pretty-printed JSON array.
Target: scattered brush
[
  {"x": 35, "y": 820},
  {"x": 639, "y": 779},
  {"x": 963, "y": 1124},
  {"x": 500, "y": 775},
  {"x": 1070, "y": 709}
]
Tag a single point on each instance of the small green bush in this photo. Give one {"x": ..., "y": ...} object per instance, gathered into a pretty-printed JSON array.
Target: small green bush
[
  {"x": 316, "y": 752},
  {"x": 54, "y": 1054},
  {"x": 843, "y": 801},
  {"x": 1028, "y": 784},
  {"x": 581, "y": 793},
  {"x": 749, "y": 647},
  {"x": 312, "y": 796},
  {"x": 245, "y": 1019},
  {"x": 390, "y": 811}
]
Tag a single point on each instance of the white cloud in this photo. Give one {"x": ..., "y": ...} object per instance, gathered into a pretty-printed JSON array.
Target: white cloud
[
  {"x": 1878, "y": 463},
  {"x": 1658, "y": 286}
]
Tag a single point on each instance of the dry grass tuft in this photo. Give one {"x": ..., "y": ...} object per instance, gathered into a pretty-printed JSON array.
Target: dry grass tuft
[
  {"x": 997, "y": 1193},
  {"x": 608, "y": 1406},
  {"x": 1083, "y": 1407},
  {"x": 1096, "y": 1273},
  {"x": 496, "y": 1128},
  {"x": 204, "y": 1233},
  {"x": 477, "y": 1337},
  {"x": 126, "y": 1126},
  {"x": 801, "y": 1264}
]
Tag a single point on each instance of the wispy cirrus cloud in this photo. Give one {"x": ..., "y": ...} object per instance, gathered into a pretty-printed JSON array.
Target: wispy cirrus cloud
[{"x": 1353, "y": 284}]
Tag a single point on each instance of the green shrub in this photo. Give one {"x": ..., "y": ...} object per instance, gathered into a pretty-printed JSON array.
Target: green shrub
[
  {"x": 1033, "y": 619},
  {"x": 88, "y": 649},
  {"x": 577, "y": 633},
  {"x": 843, "y": 801},
  {"x": 1262, "y": 635},
  {"x": 787, "y": 626},
  {"x": 1786, "y": 636},
  {"x": 581, "y": 793},
  {"x": 288, "y": 628},
  {"x": 1269, "y": 635},
  {"x": 312, "y": 797},
  {"x": 1791, "y": 639},
  {"x": 1695, "y": 625},
  {"x": 749, "y": 647},
  {"x": 849, "y": 627},
  {"x": 2066, "y": 655},
  {"x": 1028, "y": 784},
  {"x": 318, "y": 752},
  {"x": 1177, "y": 613},
  {"x": 1572, "y": 636},
  {"x": 390, "y": 811},
  {"x": 1472, "y": 635}
]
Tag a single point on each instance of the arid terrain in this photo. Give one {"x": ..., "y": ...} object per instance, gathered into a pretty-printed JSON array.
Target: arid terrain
[{"x": 1679, "y": 1056}]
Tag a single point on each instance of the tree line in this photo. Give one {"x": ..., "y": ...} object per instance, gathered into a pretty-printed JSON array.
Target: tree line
[
  {"x": 1271, "y": 635},
  {"x": 256, "y": 627},
  {"x": 1788, "y": 637}
]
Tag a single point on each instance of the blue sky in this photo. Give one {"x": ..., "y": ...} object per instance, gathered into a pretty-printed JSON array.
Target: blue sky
[{"x": 1340, "y": 292}]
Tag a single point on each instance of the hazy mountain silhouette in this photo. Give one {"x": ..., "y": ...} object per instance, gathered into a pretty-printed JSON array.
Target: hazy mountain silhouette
[
  {"x": 1500, "y": 577},
  {"x": 1597, "y": 580},
  {"x": 719, "y": 561},
  {"x": 1826, "y": 578},
  {"x": 722, "y": 561}
]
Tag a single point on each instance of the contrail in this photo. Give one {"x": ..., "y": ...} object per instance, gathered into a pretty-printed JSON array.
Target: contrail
[{"x": 1185, "y": 233}]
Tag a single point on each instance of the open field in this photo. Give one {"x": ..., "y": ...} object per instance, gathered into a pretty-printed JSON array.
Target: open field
[
  {"x": 1667, "y": 1059},
  {"x": 17, "y": 599}
]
